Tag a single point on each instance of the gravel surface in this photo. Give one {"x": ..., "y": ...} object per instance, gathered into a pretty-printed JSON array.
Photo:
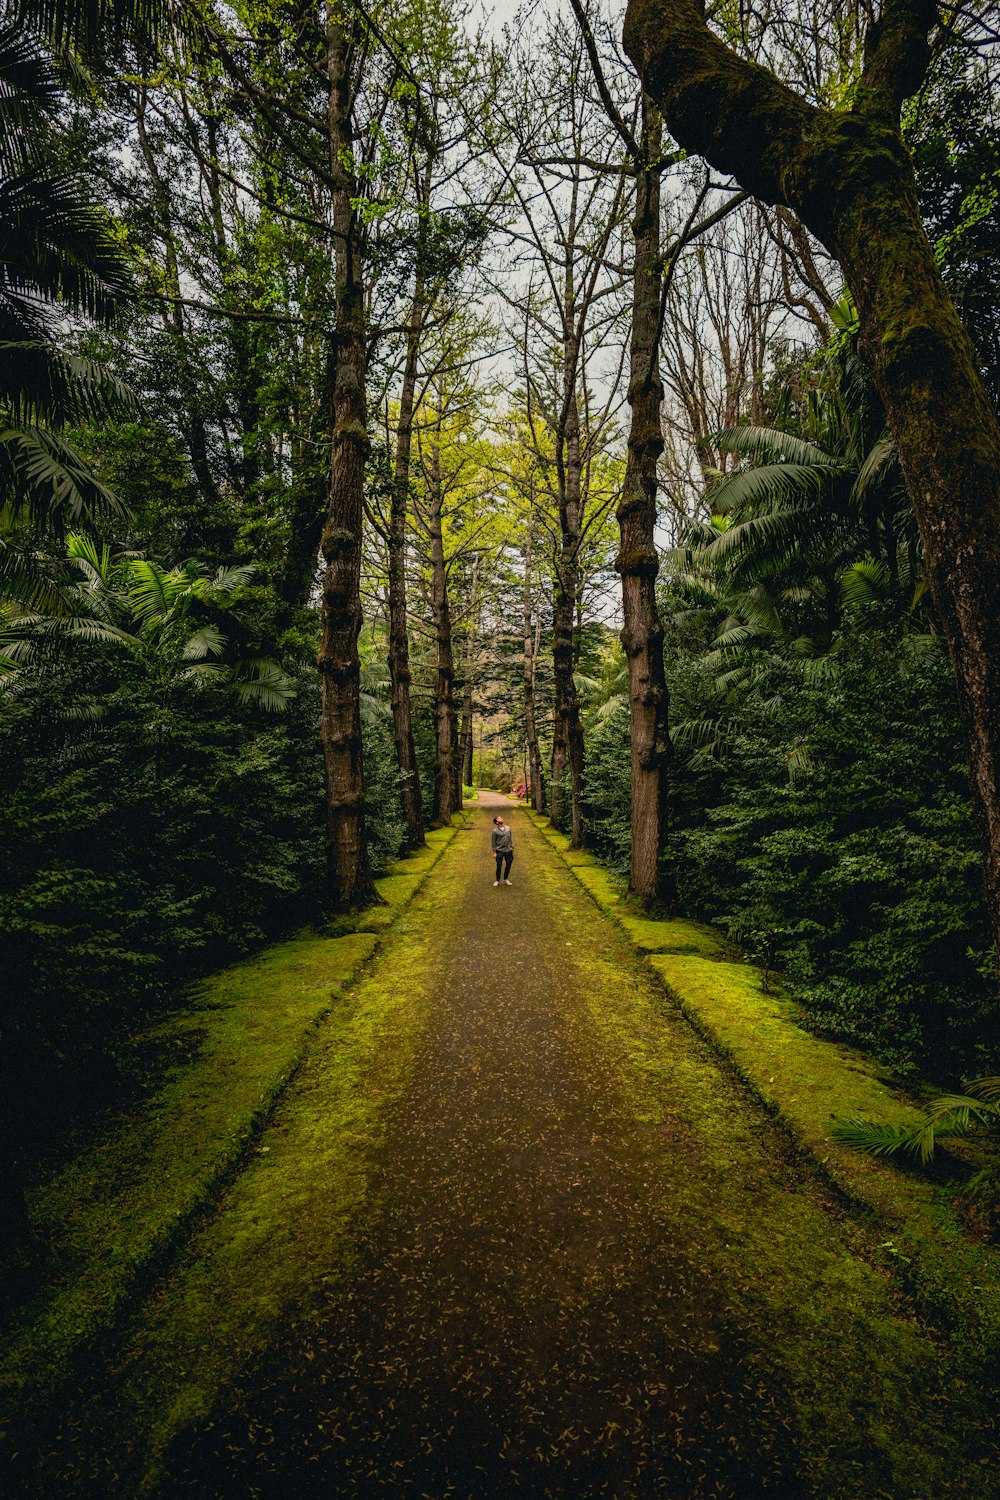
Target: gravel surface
[{"x": 524, "y": 1317}]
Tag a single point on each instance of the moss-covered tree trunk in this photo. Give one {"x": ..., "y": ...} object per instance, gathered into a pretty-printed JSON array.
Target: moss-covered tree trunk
[
  {"x": 444, "y": 678},
  {"x": 949, "y": 448},
  {"x": 848, "y": 176},
  {"x": 567, "y": 736},
  {"x": 637, "y": 561},
  {"x": 399, "y": 639},
  {"x": 465, "y": 737},
  {"x": 467, "y": 767},
  {"x": 562, "y": 649},
  {"x": 457, "y": 800},
  {"x": 572, "y": 541},
  {"x": 350, "y": 877},
  {"x": 535, "y": 777}
]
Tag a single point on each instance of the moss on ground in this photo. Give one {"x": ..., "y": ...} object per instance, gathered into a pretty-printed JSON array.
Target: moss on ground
[
  {"x": 120, "y": 1208},
  {"x": 604, "y": 888},
  {"x": 854, "y": 1361},
  {"x": 881, "y": 1405},
  {"x": 676, "y": 935},
  {"x": 807, "y": 1082},
  {"x": 282, "y": 1232},
  {"x": 417, "y": 863}
]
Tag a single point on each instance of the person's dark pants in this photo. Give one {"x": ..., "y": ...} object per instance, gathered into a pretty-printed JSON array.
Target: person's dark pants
[{"x": 506, "y": 859}]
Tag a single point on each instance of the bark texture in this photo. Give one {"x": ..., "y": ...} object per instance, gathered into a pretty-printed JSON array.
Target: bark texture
[
  {"x": 350, "y": 877},
  {"x": 567, "y": 733},
  {"x": 444, "y": 681},
  {"x": 465, "y": 738},
  {"x": 637, "y": 561},
  {"x": 399, "y": 640},
  {"x": 848, "y": 176},
  {"x": 536, "y": 781}
]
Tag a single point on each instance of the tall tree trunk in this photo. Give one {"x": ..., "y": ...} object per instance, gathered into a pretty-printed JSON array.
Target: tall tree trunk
[
  {"x": 567, "y": 731},
  {"x": 637, "y": 561},
  {"x": 399, "y": 640},
  {"x": 457, "y": 800},
  {"x": 948, "y": 439},
  {"x": 350, "y": 876},
  {"x": 465, "y": 750},
  {"x": 444, "y": 683},
  {"x": 562, "y": 652},
  {"x": 568, "y": 728},
  {"x": 467, "y": 767},
  {"x": 848, "y": 176},
  {"x": 535, "y": 782}
]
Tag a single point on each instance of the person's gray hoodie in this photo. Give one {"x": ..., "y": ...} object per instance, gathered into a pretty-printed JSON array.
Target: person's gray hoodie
[{"x": 502, "y": 840}]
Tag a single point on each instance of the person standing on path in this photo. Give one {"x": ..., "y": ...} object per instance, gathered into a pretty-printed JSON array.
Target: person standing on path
[{"x": 502, "y": 842}]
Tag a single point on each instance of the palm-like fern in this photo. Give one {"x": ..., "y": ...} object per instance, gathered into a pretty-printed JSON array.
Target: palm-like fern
[
  {"x": 90, "y": 25},
  {"x": 603, "y": 695},
  {"x": 950, "y": 1115},
  {"x": 157, "y": 620},
  {"x": 806, "y": 508},
  {"x": 813, "y": 526},
  {"x": 57, "y": 256}
]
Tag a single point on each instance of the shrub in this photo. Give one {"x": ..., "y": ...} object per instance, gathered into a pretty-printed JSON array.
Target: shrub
[
  {"x": 862, "y": 876},
  {"x": 607, "y": 789}
]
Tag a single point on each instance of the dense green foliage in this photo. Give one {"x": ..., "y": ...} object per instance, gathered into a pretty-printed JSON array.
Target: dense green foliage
[
  {"x": 821, "y": 808},
  {"x": 161, "y": 818},
  {"x": 859, "y": 873},
  {"x": 161, "y": 782},
  {"x": 606, "y": 788},
  {"x": 829, "y": 831},
  {"x": 164, "y": 478}
]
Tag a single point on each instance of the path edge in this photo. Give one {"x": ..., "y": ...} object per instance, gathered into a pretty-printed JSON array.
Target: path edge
[
  {"x": 49, "y": 1366},
  {"x": 953, "y": 1279}
]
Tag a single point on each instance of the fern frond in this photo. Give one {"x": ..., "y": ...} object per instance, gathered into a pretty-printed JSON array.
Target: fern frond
[
  {"x": 875, "y": 1139},
  {"x": 984, "y": 1088},
  {"x": 771, "y": 445},
  {"x": 799, "y": 763},
  {"x": 864, "y": 582},
  {"x": 262, "y": 682},
  {"x": 877, "y": 465},
  {"x": 152, "y": 591},
  {"x": 208, "y": 640},
  {"x": 226, "y": 579},
  {"x": 776, "y": 492}
]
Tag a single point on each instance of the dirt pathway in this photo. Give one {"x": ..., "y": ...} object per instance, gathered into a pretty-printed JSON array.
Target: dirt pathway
[{"x": 590, "y": 1267}]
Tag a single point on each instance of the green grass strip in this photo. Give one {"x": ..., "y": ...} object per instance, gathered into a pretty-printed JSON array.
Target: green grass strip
[
  {"x": 117, "y": 1212},
  {"x": 807, "y": 1082},
  {"x": 279, "y": 1240}
]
